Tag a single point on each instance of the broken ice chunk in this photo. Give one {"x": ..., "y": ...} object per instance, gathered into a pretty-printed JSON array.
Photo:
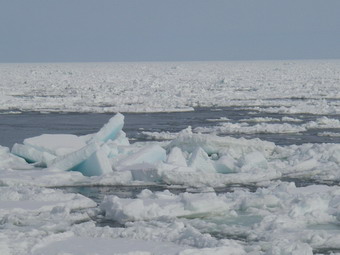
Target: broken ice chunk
[
  {"x": 145, "y": 172},
  {"x": 10, "y": 161},
  {"x": 96, "y": 164},
  {"x": 188, "y": 141},
  {"x": 32, "y": 155},
  {"x": 150, "y": 154},
  {"x": 201, "y": 161},
  {"x": 110, "y": 130},
  {"x": 117, "y": 146},
  {"x": 73, "y": 159},
  {"x": 150, "y": 206},
  {"x": 336, "y": 155},
  {"x": 225, "y": 164},
  {"x": 176, "y": 157},
  {"x": 56, "y": 144},
  {"x": 253, "y": 160},
  {"x": 90, "y": 161}
]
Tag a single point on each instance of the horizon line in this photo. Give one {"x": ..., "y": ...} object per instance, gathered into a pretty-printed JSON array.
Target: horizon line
[{"x": 171, "y": 61}]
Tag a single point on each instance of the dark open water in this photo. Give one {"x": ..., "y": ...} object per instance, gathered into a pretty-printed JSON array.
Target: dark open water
[{"x": 16, "y": 127}]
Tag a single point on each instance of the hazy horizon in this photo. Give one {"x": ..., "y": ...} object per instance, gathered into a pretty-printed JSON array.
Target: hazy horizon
[{"x": 168, "y": 31}]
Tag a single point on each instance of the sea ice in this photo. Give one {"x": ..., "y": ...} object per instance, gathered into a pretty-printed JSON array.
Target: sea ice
[
  {"x": 150, "y": 154},
  {"x": 32, "y": 155},
  {"x": 281, "y": 215},
  {"x": 189, "y": 159},
  {"x": 29, "y": 214},
  {"x": 287, "y": 217},
  {"x": 189, "y": 142},
  {"x": 74, "y": 159},
  {"x": 110, "y": 130},
  {"x": 200, "y": 161},
  {"x": 270, "y": 128},
  {"x": 278, "y": 218},
  {"x": 96, "y": 164},
  {"x": 88, "y": 155},
  {"x": 225, "y": 164},
  {"x": 253, "y": 160},
  {"x": 300, "y": 86},
  {"x": 10, "y": 161},
  {"x": 55, "y": 144},
  {"x": 150, "y": 205},
  {"x": 176, "y": 157},
  {"x": 71, "y": 244}
]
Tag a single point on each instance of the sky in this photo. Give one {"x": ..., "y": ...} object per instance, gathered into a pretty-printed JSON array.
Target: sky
[{"x": 168, "y": 30}]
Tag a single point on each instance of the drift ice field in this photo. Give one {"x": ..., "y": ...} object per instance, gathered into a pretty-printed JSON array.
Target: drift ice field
[{"x": 170, "y": 158}]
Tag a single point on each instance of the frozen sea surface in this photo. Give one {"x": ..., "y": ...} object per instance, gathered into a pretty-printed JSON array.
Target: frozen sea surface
[
  {"x": 221, "y": 158},
  {"x": 270, "y": 86}
]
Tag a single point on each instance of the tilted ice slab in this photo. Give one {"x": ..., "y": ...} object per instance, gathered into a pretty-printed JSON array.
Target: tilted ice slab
[
  {"x": 72, "y": 153},
  {"x": 10, "y": 161},
  {"x": 111, "y": 130},
  {"x": 300, "y": 86},
  {"x": 89, "y": 160},
  {"x": 33, "y": 155}
]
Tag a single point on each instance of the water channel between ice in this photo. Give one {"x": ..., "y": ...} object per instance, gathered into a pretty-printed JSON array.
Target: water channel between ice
[{"x": 16, "y": 127}]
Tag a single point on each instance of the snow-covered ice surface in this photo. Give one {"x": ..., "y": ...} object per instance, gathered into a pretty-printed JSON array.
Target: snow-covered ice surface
[
  {"x": 269, "y": 86},
  {"x": 257, "y": 173}
]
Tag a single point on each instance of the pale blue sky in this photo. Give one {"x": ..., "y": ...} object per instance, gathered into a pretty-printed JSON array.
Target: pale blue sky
[{"x": 168, "y": 30}]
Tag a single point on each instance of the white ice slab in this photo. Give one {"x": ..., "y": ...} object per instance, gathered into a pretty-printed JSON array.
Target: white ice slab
[
  {"x": 10, "y": 161},
  {"x": 253, "y": 160},
  {"x": 176, "y": 157},
  {"x": 225, "y": 164},
  {"x": 110, "y": 130},
  {"x": 151, "y": 205},
  {"x": 200, "y": 161},
  {"x": 150, "y": 154},
  {"x": 32, "y": 154},
  {"x": 56, "y": 144},
  {"x": 90, "y": 161},
  {"x": 96, "y": 164}
]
